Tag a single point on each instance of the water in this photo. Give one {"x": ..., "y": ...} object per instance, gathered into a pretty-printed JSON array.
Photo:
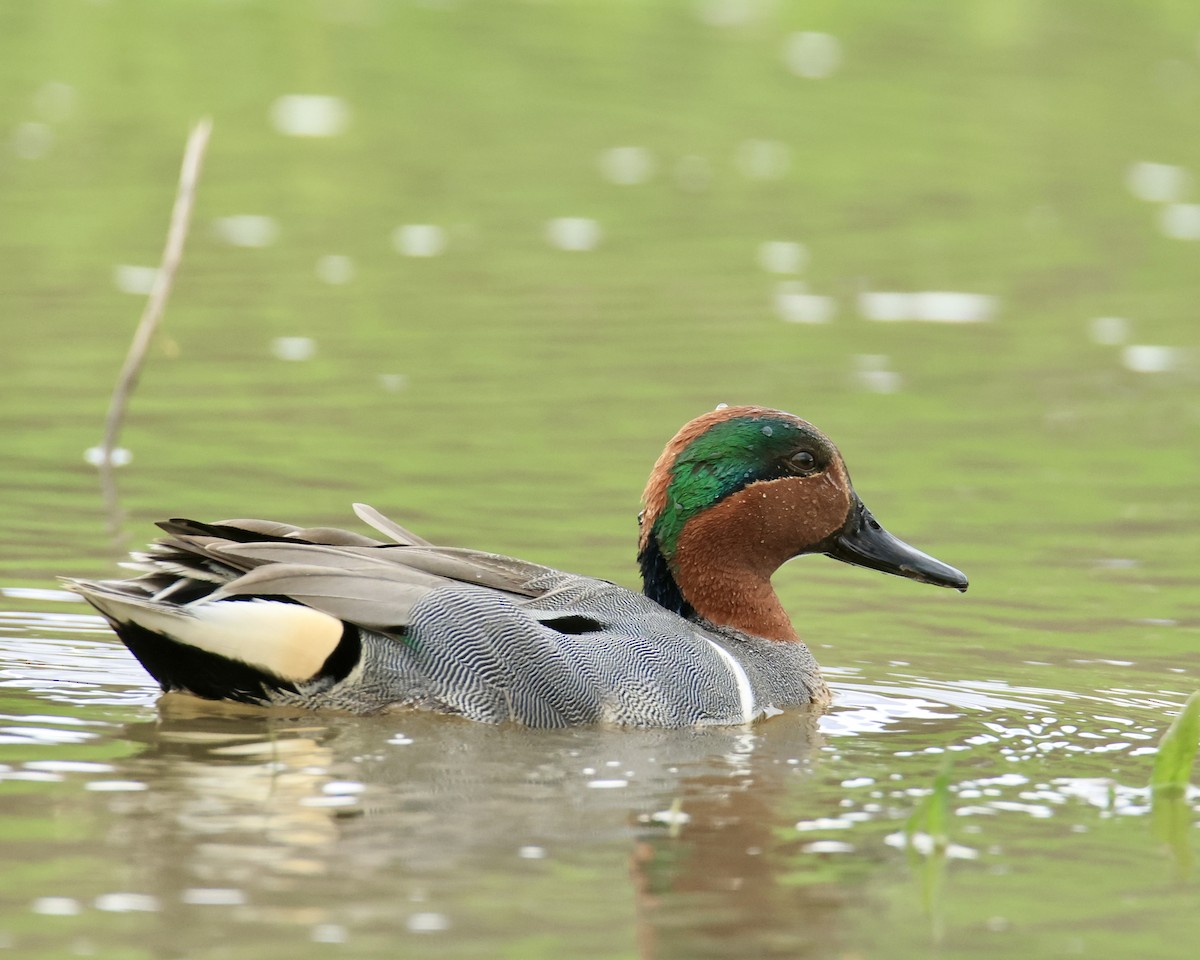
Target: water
[{"x": 475, "y": 263}]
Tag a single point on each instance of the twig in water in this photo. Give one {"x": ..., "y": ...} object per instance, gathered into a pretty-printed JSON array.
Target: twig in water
[{"x": 181, "y": 215}]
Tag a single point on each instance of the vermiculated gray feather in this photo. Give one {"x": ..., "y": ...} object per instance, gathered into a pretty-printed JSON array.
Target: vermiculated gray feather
[{"x": 484, "y": 636}]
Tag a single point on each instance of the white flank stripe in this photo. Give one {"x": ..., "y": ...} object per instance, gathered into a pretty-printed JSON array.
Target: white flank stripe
[{"x": 745, "y": 694}]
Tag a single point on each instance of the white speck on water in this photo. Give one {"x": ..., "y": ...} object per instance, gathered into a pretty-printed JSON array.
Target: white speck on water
[
  {"x": 335, "y": 800},
  {"x": 1181, "y": 221},
  {"x": 68, "y": 766},
  {"x": 1157, "y": 621},
  {"x": 1108, "y": 331},
  {"x": 858, "y": 782},
  {"x": 32, "y": 140},
  {"x": 782, "y": 256},
  {"x": 828, "y": 846},
  {"x": 95, "y": 456},
  {"x": 627, "y": 166},
  {"x": 885, "y": 305},
  {"x": 933, "y": 306},
  {"x": 127, "y": 903},
  {"x": 693, "y": 173},
  {"x": 247, "y": 230},
  {"x": 823, "y": 823},
  {"x": 393, "y": 383},
  {"x": 531, "y": 853},
  {"x": 612, "y": 763},
  {"x": 924, "y": 844},
  {"x": 795, "y": 305},
  {"x": 1117, "y": 563},
  {"x": 310, "y": 115},
  {"x": 343, "y": 787},
  {"x": 427, "y": 923},
  {"x": 1157, "y": 182},
  {"x": 811, "y": 55},
  {"x": 328, "y": 933},
  {"x": 763, "y": 159},
  {"x": 134, "y": 279},
  {"x": 944, "y": 306},
  {"x": 401, "y": 740},
  {"x": 578, "y": 234},
  {"x": 671, "y": 817},
  {"x": 1148, "y": 358},
  {"x": 335, "y": 269},
  {"x": 607, "y": 784},
  {"x": 213, "y": 897},
  {"x": 38, "y": 593},
  {"x": 294, "y": 348},
  {"x": 115, "y": 786},
  {"x": 731, "y": 13},
  {"x": 56, "y": 906},
  {"x": 871, "y": 374},
  {"x": 419, "y": 240},
  {"x": 55, "y": 101}
]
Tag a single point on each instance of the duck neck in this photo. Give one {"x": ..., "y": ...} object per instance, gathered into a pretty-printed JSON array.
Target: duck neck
[{"x": 702, "y": 581}]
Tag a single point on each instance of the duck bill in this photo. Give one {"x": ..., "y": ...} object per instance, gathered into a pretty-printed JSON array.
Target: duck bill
[{"x": 865, "y": 543}]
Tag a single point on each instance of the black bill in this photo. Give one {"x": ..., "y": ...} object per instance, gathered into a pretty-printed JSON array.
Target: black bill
[{"x": 865, "y": 543}]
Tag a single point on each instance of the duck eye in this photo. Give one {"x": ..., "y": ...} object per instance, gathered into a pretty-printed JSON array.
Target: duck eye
[{"x": 802, "y": 462}]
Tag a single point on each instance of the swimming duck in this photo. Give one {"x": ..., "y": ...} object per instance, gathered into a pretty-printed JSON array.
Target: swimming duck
[{"x": 269, "y": 613}]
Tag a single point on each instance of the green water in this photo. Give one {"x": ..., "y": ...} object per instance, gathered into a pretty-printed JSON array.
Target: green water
[{"x": 511, "y": 395}]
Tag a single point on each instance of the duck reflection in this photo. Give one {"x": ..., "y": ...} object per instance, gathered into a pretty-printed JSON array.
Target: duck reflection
[{"x": 382, "y": 824}]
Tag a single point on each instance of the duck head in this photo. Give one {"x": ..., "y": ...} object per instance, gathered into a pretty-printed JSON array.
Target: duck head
[{"x": 738, "y": 492}]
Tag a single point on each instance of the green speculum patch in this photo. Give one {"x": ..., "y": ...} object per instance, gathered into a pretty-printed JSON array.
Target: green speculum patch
[{"x": 724, "y": 459}]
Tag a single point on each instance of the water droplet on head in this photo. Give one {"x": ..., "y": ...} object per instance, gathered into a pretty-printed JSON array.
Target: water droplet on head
[{"x": 767, "y": 431}]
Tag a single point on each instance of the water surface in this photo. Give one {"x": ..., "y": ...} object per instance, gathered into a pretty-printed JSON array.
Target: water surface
[{"x": 474, "y": 263}]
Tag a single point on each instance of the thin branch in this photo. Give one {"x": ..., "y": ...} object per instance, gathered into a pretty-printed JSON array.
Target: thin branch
[{"x": 156, "y": 303}]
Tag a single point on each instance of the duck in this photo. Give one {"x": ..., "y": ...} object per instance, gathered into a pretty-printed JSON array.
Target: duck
[{"x": 275, "y": 615}]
